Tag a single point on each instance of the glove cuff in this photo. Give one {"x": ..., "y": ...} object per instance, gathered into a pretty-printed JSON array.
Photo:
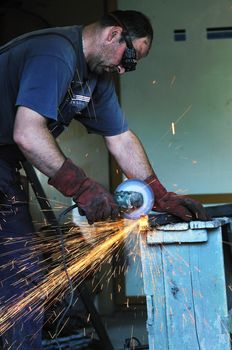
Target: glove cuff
[
  {"x": 68, "y": 179},
  {"x": 158, "y": 189}
]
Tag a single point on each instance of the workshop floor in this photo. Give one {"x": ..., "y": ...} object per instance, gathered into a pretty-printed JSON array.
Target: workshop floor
[
  {"x": 126, "y": 324},
  {"x": 120, "y": 326}
]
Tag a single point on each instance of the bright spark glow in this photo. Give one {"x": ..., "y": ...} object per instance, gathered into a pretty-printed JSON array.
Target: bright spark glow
[
  {"x": 173, "y": 128},
  {"x": 83, "y": 257}
]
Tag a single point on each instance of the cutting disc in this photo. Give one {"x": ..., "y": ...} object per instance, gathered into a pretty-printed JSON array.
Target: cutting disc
[{"x": 142, "y": 187}]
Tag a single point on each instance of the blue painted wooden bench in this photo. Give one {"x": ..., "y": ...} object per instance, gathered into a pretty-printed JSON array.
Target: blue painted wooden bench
[{"x": 184, "y": 283}]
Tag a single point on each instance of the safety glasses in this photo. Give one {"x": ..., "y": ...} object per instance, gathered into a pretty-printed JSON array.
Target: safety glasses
[{"x": 129, "y": 58}]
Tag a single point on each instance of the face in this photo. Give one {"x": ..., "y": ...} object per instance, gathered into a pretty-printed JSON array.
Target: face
[{"x": 108, "y": 57}]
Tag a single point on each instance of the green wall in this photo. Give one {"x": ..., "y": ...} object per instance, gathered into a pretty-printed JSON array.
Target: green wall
[{"x": 188, "y": 83}]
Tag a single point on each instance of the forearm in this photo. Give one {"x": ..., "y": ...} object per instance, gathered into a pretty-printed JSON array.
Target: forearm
[
  {"x": 132, "y": 159},
  {"x": 36, "y": 143},
  {"x": 130, "y": 155}
]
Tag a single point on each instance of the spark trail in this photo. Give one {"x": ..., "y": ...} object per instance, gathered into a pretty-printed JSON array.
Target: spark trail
[{"x": 83, "y": 257}]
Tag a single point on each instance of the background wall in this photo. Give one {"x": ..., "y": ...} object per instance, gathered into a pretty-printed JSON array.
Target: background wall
[
  {"x": 21, "y": 16},
  {"x": 188, "y": 83},
  {"x": 88, "y": 151}
]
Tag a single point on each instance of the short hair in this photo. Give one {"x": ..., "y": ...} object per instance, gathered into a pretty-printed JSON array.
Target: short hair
[{"x": 136, "y": 23}]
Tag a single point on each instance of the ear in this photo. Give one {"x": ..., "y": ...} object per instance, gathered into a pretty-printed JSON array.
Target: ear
[{"x": 114, "y": 33}]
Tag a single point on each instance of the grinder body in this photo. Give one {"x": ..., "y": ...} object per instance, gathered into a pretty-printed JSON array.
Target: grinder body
[{"x": 134, "y": 198}]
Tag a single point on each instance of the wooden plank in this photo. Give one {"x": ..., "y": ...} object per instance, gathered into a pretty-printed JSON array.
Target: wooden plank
[
  {"x": 209, "y": 291},
  {"x": 155, "y": 295},
  {"x": 170, "y": 237},
  {"x": 179, "y": 298}
]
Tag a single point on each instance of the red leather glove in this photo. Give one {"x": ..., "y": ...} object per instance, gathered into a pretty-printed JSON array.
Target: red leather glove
[
  {"x": 92, "y": 198},
  {"x": 184, "y": 207}
]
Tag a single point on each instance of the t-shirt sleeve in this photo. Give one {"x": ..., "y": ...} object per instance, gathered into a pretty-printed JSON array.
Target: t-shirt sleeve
[
  {"x": 104, "y": 115},
  {"x": 43, "y": 83}
]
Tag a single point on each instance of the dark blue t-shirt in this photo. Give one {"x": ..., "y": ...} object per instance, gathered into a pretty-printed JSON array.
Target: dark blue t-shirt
[{"x": 46, "y": 71}]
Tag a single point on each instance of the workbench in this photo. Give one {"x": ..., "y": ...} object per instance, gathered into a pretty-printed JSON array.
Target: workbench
[{"x": 185, "y": 287}]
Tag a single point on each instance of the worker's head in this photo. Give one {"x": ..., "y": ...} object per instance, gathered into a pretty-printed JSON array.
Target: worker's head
[{"x": 125, "y": 38}]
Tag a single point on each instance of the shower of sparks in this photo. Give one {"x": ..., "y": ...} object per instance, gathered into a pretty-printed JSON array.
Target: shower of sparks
[
  {"x": 87, "y": 248},
  {"x": 83, "y": 257}
]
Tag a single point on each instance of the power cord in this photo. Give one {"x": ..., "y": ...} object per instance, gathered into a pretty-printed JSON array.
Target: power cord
[{"x": 63, "y": 254}]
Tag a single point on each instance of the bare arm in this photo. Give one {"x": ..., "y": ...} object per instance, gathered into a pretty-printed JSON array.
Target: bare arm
[
  {"x": 130, "y": 155},
  {"x": 36, "y": 143}
]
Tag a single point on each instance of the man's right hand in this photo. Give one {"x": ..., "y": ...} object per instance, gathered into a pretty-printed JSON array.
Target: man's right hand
[
  {"x": 92, "y": 199},
  {"x": 95, "y": 202}
]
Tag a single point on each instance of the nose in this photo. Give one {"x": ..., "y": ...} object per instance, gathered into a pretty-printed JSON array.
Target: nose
[{"x": 121, "y": 70}]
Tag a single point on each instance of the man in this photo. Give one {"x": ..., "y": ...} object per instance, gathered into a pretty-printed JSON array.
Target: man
[{"x": 48, "y": 78}]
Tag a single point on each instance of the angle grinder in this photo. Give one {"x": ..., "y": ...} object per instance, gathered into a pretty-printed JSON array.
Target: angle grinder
[{"x": 134, "y": 198}]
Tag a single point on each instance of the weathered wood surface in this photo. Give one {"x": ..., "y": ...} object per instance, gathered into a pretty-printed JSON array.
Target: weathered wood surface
[{"x": 185, "y": 288}]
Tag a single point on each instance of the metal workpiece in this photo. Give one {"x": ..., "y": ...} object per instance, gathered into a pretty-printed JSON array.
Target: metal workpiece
[
  {"x": 184, "y": 232},
  {"x": 221, "y": 213},
  {"x": 184, "y": 283}
]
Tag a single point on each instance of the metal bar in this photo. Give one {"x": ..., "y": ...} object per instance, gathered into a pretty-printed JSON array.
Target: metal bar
[
  {"x": 40, "y": 194},
  {"x": 99, "y": 326},
  {"x": 220, "y": 210},
  {"x": 223, "y": 210}
]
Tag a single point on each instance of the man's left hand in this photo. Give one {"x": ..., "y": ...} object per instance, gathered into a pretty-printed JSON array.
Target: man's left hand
[{"x": 183, "y": 207}]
